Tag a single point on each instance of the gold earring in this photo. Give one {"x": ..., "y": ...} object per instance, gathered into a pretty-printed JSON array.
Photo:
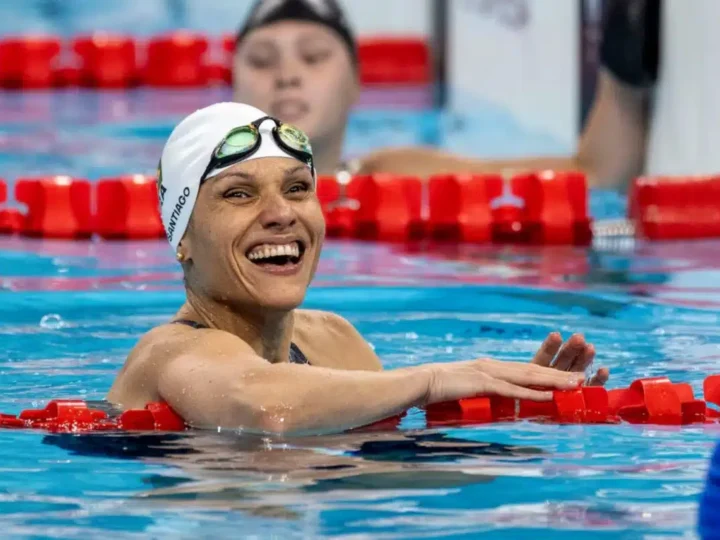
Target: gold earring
[{"x": 180, "y": 257}]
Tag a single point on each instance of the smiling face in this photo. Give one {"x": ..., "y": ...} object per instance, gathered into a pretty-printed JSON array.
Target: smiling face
[
  {"x": 255, "y": 235},
  {"x": 299, "y": 72}
]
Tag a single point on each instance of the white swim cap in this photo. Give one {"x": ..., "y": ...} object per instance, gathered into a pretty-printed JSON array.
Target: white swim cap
[{"x": 187, "y": 154}]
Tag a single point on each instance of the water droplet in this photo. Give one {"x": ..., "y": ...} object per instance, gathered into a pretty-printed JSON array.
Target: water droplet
[
  {"x": 659, "y": 331},
  {"x": 411, "y": 335},
  {"x": 52, "y": 322},
  {"x": 448, "y": 337}
]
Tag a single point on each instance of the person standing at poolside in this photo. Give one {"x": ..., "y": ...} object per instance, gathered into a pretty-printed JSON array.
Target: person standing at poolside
[{"x": 298, "y": 60}]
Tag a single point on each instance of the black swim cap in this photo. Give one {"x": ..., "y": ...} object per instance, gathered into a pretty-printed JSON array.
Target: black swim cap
[{"x": 326, "y": 12}]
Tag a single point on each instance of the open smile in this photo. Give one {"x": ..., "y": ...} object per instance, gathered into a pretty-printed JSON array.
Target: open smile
[{"x": 279, "y": 259}]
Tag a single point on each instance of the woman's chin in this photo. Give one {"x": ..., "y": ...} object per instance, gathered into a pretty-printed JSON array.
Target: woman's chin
[{"x": 282, "y": 302}]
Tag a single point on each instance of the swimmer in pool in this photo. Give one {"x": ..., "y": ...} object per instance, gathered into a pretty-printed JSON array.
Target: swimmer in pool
[
  {"x": 297, "y": 59},
  {"x": 238, "y": 202}
]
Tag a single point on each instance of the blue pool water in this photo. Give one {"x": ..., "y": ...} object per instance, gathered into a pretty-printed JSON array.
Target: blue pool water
[{"x": 70, "y": 311}]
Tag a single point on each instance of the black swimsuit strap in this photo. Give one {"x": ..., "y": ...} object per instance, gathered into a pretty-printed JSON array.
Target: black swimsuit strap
[
  {"x": 296, "y": 355},
  {"x": 191, "y": 324}
]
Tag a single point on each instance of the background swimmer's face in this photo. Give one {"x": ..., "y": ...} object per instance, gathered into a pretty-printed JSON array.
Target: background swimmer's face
[
  {"x": 299, "y": 72},
  {"x": 255, "y": 235}
]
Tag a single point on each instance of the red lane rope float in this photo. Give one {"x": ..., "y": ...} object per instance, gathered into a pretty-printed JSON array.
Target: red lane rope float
[
  {"x": 390, "y": 207},
  {"x": 177, "y": 59},
  {"x": 655, "y": 401},
  {"x": 676, "y": 208},
  {"x": 388, "y": 60},
  {"x": 29, "y": 62},
  {"x": 63, "y": 415},
  {"x": 127, "y": 207},
  {"x": 540, "y": 208},
  {"x": 11, "y": 220},
  {"x": 105, "y": 61},
  {"x": 58, "y": 207},
  {"x": 460, "y": 207}
]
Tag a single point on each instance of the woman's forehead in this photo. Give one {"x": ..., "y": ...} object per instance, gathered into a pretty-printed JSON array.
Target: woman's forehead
[
  {"x": 266, "y": 168},
  {"x": 291, "y": 33}
]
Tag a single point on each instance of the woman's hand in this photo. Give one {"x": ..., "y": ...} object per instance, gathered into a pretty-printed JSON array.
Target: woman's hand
[
  {"x": 576, "y": 355},
  {"x": 457, "y": 380}
]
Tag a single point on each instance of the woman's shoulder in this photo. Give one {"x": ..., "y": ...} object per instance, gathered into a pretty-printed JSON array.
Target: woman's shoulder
[
  {"x": 330, "y": 340},
  {"x": 313, "y": 318}
]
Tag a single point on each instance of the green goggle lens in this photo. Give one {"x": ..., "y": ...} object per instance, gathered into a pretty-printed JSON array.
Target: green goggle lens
[
  {"x": 294, "y": 138},
  {"x": 239, "y": 140}
]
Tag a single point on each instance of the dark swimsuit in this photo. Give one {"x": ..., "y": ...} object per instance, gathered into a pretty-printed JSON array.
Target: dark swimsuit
[{"x": 296, "y": 355}]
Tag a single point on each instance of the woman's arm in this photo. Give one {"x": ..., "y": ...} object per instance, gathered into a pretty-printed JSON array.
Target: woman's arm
[
  {"x": 220, "y": 381},
  {"x": 611, "y": 150}
]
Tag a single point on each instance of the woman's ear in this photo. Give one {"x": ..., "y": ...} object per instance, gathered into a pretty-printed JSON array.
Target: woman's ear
[{"x": 182, "y": 254}]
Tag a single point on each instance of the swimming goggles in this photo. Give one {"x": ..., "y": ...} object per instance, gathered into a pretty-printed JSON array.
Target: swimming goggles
[{"x": 243, "y": 141}]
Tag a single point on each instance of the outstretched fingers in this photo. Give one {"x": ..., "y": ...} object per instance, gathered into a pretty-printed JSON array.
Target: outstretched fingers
[{"x": 534, "y": 375}]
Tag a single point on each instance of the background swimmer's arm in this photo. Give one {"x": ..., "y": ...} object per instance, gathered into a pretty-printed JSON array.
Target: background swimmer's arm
[
  {"x": 611, "y": 150},
  {"x": 612, "y": 146}
]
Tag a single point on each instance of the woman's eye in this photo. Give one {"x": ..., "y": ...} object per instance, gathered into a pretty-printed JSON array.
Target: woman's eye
[
  {"x": 260, "y": 63},
  {"x": 316, "y": 58},
  {"x": 236, "y": 194},
  {"x": 301, "y": 187}
]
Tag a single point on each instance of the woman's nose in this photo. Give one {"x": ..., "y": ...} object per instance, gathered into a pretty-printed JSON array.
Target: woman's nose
[
  {"x": 277, "y": 213},
  {"x": 287, "y": 76}
]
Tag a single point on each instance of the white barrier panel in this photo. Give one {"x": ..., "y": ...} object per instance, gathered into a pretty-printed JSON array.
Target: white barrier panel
[{"x": 513, "y": 77}]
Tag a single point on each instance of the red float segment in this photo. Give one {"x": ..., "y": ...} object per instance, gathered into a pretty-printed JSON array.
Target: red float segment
[
  {"x": 11, "y": 221},
  {"x": 328, "y": 190},
  {"x": 75, "y": 416},
  {"x": 555, "y": 210},
  {"x": 339, "y": 212},
  {"x": 465, "y": 411},
  {"x": 228, "y": 43},
  {"x": 58, "y": 207},
  {"x": 647, "y": 401},
  {"x": 583, "y": 405},
  {"x": 165, "y": 418},
  {"x": 62, "y": 416},
  {"x": 176, "y": 60},
  {"x": 128, "y": 207},
  {"x": 106, "y": 61},
  {"x": 597, "y": 405},
  {"x": 390, "y": 207},
  {"x": 711, "y": 389},
  {"x": 661, "y": 404},
  {"x": 136, "y": 420},
  {"x": 675, "y": 208},
  {"x": 28, "y": 62},
  {"x": 219, "y": 70},
  {"x": 459, "y": 206},
  {"x": 386, "y": 60}
]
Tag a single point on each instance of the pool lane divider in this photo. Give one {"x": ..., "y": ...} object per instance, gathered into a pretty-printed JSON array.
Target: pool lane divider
[
  {"x": 542, "y": 207},
  {"x": 655, "y": 401},
  {"x": 180, "y": 59}
]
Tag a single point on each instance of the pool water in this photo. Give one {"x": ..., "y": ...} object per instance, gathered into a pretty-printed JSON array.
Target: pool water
[{"x": 70, "y": 311}]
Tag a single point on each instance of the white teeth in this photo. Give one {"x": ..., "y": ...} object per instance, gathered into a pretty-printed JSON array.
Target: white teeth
[{"x": 265, "y": 251}]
